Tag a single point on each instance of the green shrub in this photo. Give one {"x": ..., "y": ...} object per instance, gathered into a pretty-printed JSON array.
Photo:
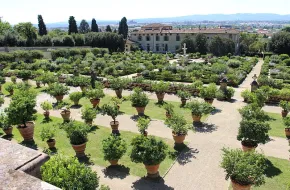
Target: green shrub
[
  {"x": 199, "y": 108},
  {"x": 286, "y": 122},
  {"x": 169, "y": 108},
  {"x": 76, "y": 132},
  {"x": 1, "y": 101},
  {"x": 111, "y": 110},
  {"x": 75, "y": 96},
  {"x": 46, "y": 106},
  {"x": 143, "y": 124},
  {"x": 57, "y": 89},
  {"x": 114, "y": 147},
  {"x": 285, "y": 105},
  {"x": 25, "y": 74},
  {"x": 95, "y": 93},
  {"x": 68, "y": 173},
  {"x": 252, "y": 111},
  {"x": 89, "y": 114},
  {"x": 148, "y": 150},
  {"x": 208, "y": 92},
  {"x": 178, "y": 124},
  {"x": 183, "y": 95},
  {"x": 4, "y": 122},
  {"x": 245, "y": 168},
  {"x": 118, "y": 83},
  {"x": 47, "y": 133},
  {"x": 10, "y": 87},
  {"x": 139, "y": 98},
  {"x": 160, "y": 87}
]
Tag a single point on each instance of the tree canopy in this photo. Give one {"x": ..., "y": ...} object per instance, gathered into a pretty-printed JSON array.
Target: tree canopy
[
  {"x": 72, "y": 25},
  {"x": 280, "y": 43},
  {"x": 84, "y": 27},
  {"x": 94, "y": 26},
  {"x": 41, "y": 26},
  {"x": 108, "y": 28},
  {"x": 123, "y": 28}
]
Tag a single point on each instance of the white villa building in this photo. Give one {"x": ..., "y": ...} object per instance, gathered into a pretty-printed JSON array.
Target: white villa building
[{"x": 163, "y": 38}]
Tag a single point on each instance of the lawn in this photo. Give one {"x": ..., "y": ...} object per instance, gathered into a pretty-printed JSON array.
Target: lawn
[
  {"x": 277, "y": 125},
  {"x": 153, "y": 110},
  {"x": 94, "y": 145}
]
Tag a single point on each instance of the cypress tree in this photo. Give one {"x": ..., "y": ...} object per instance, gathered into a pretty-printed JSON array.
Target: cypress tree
[
  {"x": 123, "y": 28},
  {"x": 94, "y": 27},
  {"x": 108, "y": 28},
  {"x": 41, "y": 26},
  {"x": 84, "y": 27},
  {"x": 72, "y": 25}
]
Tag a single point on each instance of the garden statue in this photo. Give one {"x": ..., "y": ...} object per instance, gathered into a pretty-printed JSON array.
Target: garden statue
[{"x": 254, "y": 84}]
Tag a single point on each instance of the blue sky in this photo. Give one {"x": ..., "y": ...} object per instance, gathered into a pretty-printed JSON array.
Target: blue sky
[{"x": 15, "y": 11}]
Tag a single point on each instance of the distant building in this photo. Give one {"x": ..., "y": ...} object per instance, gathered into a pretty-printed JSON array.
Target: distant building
[{"x": 163, "y": 38}]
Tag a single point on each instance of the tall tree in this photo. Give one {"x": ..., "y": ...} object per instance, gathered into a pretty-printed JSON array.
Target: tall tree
[
  {"x": 4, "y": 27},
  {"x": 189, "y": 44},
  {"x": 201, "y": 43},
  {"x": 72, "y": 25},
  {"x": 27, "y": 31},
  {"x": 108, "y": 28},
  {"x": 123, "y": 28},
  {"x": 41, "y": 26},
  {"x": 280, "y": 43},
  {"x": 84, "y": 27},
  {"x": 221, "y": 46},
  {"x": 94, "y": 26}
]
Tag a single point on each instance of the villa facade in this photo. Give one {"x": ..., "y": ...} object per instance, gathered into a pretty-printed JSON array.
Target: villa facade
[{"x": 162, "y": 38}]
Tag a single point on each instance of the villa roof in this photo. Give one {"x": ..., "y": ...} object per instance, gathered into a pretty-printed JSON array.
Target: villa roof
[
  {"x": 190, "y": 31},
  {"x": 129, "y": 42}
]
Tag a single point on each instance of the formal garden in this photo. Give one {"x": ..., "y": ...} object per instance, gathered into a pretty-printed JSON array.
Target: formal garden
[{"x": 78, "y": 80}]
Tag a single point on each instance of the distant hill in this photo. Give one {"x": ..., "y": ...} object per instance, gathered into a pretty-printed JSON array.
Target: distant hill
[{"x": 196, "y": 18}]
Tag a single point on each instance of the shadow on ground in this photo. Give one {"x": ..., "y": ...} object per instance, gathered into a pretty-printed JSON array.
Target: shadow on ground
[
  {"x": 200, "y": 127},
  {"x": 29, "y": 144},
  {"x": 146, "y": 183},
  {"x": 118, "y": 171},
  {"x": 271, "y": 170},
  {"x": 86, "y": 160},
  {"x": 185, "y": 155},
  {"x": 135, "y": 117}
]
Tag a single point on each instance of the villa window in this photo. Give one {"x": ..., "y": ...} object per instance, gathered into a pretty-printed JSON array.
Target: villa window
[
  {"x": 139, "y": 38},
  {"x": 231, "y": 36},
  {"x": 148, "y": 47},
  {"x": 157, "y": 38},
  {"x": 166, "y": 38},
  {"x": 177, "y": 38},
  {"x": 166, "y": 47},
  {"x": 176, "y": 47},
  {"x": 157, "y": 47},
  {"x": 147, "y": 38}
]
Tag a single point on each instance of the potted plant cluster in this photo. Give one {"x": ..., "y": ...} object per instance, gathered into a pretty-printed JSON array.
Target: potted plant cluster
[
  {"x": 160, "y": 88},
  {"x": 10, "y": 88},
  {"x": 70, "y": 171},
  {"x": 95, "y": 95},
  {"x": 46, "y": 106},
  {"x": 47, "y": 133},
  {"x": 118, "y": 84},
  {"x": 143, "y": 124},
  {"x": 75, "y": 97},
  {"x": 78, "y": 136},
  {"x": 58, "y": 91},
  {"x": 286, "y": 121},
  {"x": 114, "y": 147},
  {"x": 113, "y": 111},
  {"x": 179, "y": 127},
  {"x": 198, "y": 109},
  {"x": 285, "y": 107},
  {"x": 5, "y": 125},
  {"x": 139, "y": 100},
  {"x": 184, "y": 96},
  {"x": 169, "y": 108},
  {"x": 21, "y": 112},
  {"x": 244, "y": 168},
  {"x": 149, "y": 151},
  {"x": 208, "y": 93},
  {"x": 89, "y": 114}
]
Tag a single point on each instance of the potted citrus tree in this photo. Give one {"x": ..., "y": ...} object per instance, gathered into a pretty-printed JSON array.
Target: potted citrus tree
[
  {"x": 160, "y": 88},
  {"x": 184, "y": 96},
  {"x": 65, "y": 114},
  {"x": 198, "y": 109},
  {"x": 75, "y": 97},
  {"x": 149, "y": 151},
  {"x": 21, "y": 112},
  {"x": 78, "y": 136},
  {"x": 286, "y": 121},
  {"x": 5, "y": 125},
  {"x": 143, "y": 124},
  {"x": 253, "y": 132},
  {"x": 285, "y": 107},
  {"x": 118, "y": 84},
  {"x": 179, "y": 127},
  {"x": 46, "y": 106},
  {"x": 95, "y": 95},
  {"x": 169, "y": 108},
  {"x": 208, "y": 93},
  {"x": 114, "y": 147},
  {"x": 113, "y": 111},
  {"x": 139, "y": 100},
  {"x": 10, "y": 88},
  {"x": 243, "y": 168},
  {"x": 47, "y": 133},
  {"x": 57, "y": 91},
  {"x": 89, "y": 114}
]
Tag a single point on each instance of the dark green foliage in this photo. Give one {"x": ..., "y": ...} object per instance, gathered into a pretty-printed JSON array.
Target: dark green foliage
[
  {"x": 123, "y": 28},
  {"x": 189, "y": 44},
  {"x": 68, "y": 41},
  {"x": 139, "y": 98},
  {"x": 68, "y": 173},
  {"x": 84, "y": 27},
  {"x": 280, "y": 43},
  {"x": 178, "y": 124},
  {"x": 252, "y": 111},
  {"x": 108, "y": 28},
  {"x": 114, "y": 147},
  {"x": 221, "y": 46},
  {"x": 94, "y": 26},
  {"x": 41, "y": 26},
  {"x": 199, "y": 108},
  {"x": 148, "y": 150},
  {"x": 76, "y": 132},
  {"x": 201, "y": 43},
  {"x": 57, "y": 89},
  {"x": 79, "y": 39},
  {"x": 72, "y": 25},
  {"x": 111, "y": 110}
]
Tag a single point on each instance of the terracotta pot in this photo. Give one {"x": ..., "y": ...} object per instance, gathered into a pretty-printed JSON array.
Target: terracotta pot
[
  {"x": 183, "y": 102},
  {"x": 38, "y": 84},
  {"x": 145, "y": 133},
  {"x": 95, "y": 102},
  {"x": 284, "y": 113},
  {"x": 59, "y": 98},
  {"x": 179, "y": 139},
  {"x": 11, "y": 92},
  {"x": 140, "y": 110},
  {"x": 287, "y": 132},
  {"x": 65, "y": 114},
  {"x": 119, "y": 93},
  {"x": 196, "y": 118},
  {"x": 114, "y": 126},
  {"x": 160, "y": 96},
  {"x": 114, "y": 162},
  {"x": 46, "y": 114},
  {"x": 51, "y": 143},
  {"x": 8, "y": 131},
  {"x": 210, "y": 101},
  {"x": 237, "y": 186},
  {"x": 152, "y": 169},
  {"x": 247, "y": 148},
  {"x": 168, "y": 115},
  {"x": 80, "y": 149},
  {"x": 27, "y": 132}
]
